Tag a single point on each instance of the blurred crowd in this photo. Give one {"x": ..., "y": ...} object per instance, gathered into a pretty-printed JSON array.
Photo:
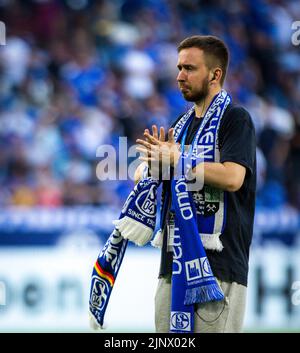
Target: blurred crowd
[{"x": 77, "y": 74}]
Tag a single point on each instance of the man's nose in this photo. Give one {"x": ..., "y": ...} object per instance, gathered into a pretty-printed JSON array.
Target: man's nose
[{"x": 181, "y": 76}]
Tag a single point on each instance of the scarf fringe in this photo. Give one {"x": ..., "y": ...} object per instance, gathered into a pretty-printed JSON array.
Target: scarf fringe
[
  {"x": 133, "y": 230},
  {"x": 94, "y": 325},
  {"x": 212, "y": 241},
  {"x": 203, "y": 294},
  {"x": 209, "y": 241},
  {"x": 158, "y": 239}
]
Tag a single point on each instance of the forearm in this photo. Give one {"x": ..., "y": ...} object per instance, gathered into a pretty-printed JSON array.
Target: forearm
[{"x": 226, "y": 176}]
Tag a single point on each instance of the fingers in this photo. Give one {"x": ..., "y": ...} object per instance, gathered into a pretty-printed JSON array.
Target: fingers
[
  {"x": 155, "y": 132},
  {"x": 146, "y": 144},
  {"x": 151, "y": 139},
  {"x": 155, "y": 138},
  {"x": 142, "y": 150},
  {"x": 152, "y": 151},
  {"x": 146, "y": 159},
  {"x": 171, "y": 135},
  {"x": 148, "y": 132},
  {"x": 147, "y": 154},
  {"x": 162, "y": 135}
]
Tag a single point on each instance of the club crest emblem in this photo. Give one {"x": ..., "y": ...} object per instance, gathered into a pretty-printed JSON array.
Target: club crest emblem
[
  {"x": 180, "y": 321},
  {"x": 146, "y": 202},
  {"x": 99, "y": 292}
]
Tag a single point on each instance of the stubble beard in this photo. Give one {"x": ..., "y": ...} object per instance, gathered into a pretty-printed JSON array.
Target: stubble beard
[{"x": 200, "y": 95}]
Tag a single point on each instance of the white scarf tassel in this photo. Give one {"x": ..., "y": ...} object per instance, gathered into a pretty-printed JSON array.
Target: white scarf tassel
[
  {"x": 212, "y": 241},
  {"x": 158, "y": 239},
  {"x": 133, "y": 230},
  {"x": 94, "y": 324},
  {"x": 209, "y": 241}
]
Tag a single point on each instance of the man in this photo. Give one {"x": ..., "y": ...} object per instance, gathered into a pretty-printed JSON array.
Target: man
[{"x": 229, "y": 185}]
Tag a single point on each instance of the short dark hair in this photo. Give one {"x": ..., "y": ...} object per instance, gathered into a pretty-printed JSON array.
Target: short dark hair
[{"x": 215, "y": 51}]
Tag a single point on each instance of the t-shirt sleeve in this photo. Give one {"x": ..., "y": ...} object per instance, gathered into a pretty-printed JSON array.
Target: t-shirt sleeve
[{"x": 237, "y": 139}]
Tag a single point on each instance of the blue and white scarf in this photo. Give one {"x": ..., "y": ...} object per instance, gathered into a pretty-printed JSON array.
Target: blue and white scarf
[
  {"x": 136, "y": 223},
  {"x": 192, "y": 279}
]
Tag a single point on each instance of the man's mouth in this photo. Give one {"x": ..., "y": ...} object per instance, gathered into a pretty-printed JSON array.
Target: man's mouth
[{"x": 183, "y": 88}]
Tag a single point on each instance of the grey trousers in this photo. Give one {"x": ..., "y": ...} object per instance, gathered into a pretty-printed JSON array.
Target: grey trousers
[{"x": 213, "y": 317}]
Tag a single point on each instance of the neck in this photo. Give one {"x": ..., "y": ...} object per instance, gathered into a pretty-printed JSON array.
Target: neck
[{"x": 201, "y": 106}]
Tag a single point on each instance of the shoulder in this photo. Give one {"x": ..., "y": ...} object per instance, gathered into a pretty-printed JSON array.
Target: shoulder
[{"x": 236, "y": 114}]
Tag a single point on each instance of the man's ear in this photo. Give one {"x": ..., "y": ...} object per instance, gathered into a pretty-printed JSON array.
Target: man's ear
[{"x": 216, "y": 75}]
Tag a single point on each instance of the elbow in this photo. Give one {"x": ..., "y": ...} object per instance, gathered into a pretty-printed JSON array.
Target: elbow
[
  {"x": 232, "y": 188},
  {"x": 235, "y": 177},
  {"x": 234, "y": 185}
]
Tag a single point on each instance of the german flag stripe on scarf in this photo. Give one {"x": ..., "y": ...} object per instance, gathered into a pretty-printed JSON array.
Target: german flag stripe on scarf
[{"x": 104, "y": 274}]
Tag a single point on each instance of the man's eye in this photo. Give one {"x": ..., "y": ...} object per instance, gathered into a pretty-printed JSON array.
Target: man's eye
[{"x": 186, "y": 68}]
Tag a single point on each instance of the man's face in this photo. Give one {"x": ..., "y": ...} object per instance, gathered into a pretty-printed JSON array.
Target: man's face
[{"x": 193, "y": 76}]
